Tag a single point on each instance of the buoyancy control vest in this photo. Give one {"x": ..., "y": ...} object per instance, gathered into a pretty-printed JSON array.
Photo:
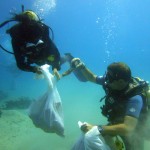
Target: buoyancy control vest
[{"x": 116, "y": 102}]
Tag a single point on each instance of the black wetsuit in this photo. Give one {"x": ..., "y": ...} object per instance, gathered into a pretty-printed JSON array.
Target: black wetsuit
[{"x": 40, "y": 54}]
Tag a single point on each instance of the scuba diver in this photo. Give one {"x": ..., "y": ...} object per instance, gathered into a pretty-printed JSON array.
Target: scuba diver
[
  {"x": 32, "y": 46},
  {"x": 126, "y": 105}
]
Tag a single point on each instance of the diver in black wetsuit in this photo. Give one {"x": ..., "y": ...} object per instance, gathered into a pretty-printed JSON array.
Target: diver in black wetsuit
[{"x": 32, "y": 45}]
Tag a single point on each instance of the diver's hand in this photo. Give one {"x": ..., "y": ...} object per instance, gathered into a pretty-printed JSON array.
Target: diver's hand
[
  {"x": 37, "y": 70},
  {"x": 77, "y": 63},
  {"x": 56, "y": 73},
  {"x": 86, "y": 127}
]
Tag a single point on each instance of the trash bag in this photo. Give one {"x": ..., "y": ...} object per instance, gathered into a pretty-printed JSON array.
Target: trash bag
[
  {"x": 79, "y": 145},
  {"x": 46, "y": 112},
  {"x": 92, "y": 140}
]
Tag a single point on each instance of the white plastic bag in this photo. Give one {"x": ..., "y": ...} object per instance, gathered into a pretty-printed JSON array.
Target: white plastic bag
[
  {"x": 92, "y": 140},
  {"x": 46, "y": 112},
  {"x": 79, "y": 145}
]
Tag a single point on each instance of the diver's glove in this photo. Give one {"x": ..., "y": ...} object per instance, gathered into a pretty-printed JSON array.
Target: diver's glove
[{"x": 76, "y": 63}]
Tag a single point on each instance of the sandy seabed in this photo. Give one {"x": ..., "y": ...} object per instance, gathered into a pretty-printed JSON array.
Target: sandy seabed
[{"x": 17, "y": 132}]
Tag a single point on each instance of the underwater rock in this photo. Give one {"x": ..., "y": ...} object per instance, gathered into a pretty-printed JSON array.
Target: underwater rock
[
  {"x": 20, "y": 103},
  {"x": 3, "y": 95}
]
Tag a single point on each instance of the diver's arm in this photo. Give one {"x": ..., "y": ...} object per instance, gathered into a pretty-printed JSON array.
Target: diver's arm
[
  {"x": 124, "y": 129},
  {"x": 53, "y": 53},
  {"x": 51, "y": 49},
  {"x": 90, "y": 76}
]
